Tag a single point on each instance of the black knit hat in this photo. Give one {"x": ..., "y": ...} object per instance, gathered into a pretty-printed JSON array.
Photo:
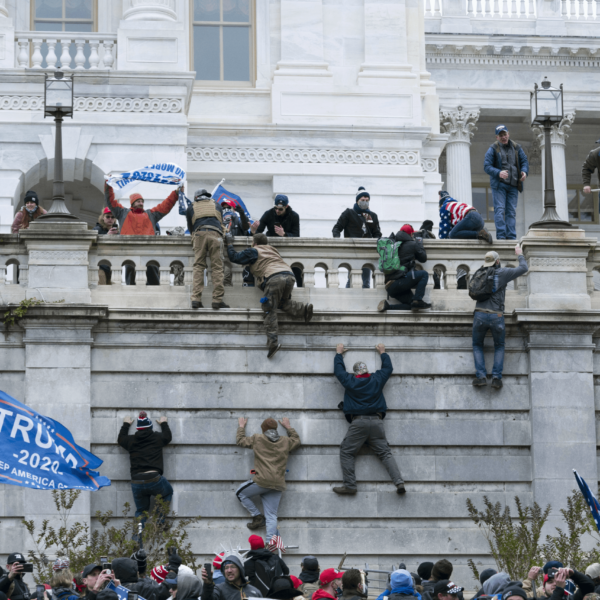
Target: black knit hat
[
  {"x": 514, "y": 591},
  {"x": 486, "y": 574},
  {"x": 362, "y": 193},
  {"x": 424, "y": 570},
  {"x": 31, "y": 196},
  {"x": 443, "y": 194}
]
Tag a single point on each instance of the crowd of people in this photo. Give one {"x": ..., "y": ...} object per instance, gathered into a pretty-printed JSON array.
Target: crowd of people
[{"x": 262, "y": 573}]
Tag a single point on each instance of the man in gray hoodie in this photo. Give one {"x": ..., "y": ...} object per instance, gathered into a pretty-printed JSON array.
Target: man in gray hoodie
[
  {"x": 489, "y": 314},
  {"x": 235, "y": 586}
]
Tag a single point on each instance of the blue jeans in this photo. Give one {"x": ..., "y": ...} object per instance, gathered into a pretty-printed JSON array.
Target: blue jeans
[
  {"x": 468, "y": 228},
  {"x": 142, "y": 492},
  {"x": 366, "y": 278},
  {"x": 401, "y": 289},
  {"x": 481, "y": 323},
  {"x": 505, "y": 211}
]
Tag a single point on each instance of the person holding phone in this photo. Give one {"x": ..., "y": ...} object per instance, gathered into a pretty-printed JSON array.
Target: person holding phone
[
  {"x": 11, "y": 583},
  {"x": 96, "y": 578}
]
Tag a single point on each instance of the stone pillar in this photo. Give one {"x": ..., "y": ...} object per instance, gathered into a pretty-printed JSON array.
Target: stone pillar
[
  {"x": 558, "y": 140},
  {"x": 149, "y": 10},
  {"x": 459, "y": 123},
  {"x": 3, "y": 9},
  {"x": 7, "y": 38}
]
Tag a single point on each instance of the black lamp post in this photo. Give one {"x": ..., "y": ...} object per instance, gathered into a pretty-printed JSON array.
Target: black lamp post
[
  {"x": 58, "y": 103},
  {"x": 546, "y": 109}
]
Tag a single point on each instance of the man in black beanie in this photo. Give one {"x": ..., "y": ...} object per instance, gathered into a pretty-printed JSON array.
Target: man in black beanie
[
  {"x": 424, "y": 571},
  {"x": 309, "y": 576}
]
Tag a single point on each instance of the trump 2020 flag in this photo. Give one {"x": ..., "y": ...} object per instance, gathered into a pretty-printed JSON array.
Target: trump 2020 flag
[
  {"x": 165, "y": 173},
  {"x": 40, "y": 453},
  {"x": 120, "y": 590},
  {"x": 221, "y": 194},
  {"x": 589, "y": 498}
]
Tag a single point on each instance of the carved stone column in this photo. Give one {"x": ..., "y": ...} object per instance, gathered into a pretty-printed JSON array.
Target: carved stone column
[
  {"x": 558, "y": 139},
  {"x": 460, "y": 124},
  {"x": 3, "y": 9},
  {"x": 148, "y": 10}
]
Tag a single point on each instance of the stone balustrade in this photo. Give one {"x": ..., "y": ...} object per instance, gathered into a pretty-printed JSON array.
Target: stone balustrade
[{"x": 64, "y": 50}]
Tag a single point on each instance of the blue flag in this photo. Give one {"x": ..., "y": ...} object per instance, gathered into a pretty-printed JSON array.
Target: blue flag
[
  {"x": 38, "y": 452},
  {"x": 589, "y": 498},
  {"x": 120, "y": 590},
  {"x": 221, "y": 194}
]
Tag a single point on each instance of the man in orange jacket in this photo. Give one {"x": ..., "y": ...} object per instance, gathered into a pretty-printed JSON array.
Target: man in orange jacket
[{"x": 137, "y": 221}]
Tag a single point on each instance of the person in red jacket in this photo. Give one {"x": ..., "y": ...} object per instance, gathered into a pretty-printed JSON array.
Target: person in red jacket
[
  {"x": 330, "y": 581},
  {"x": 137, "y": 221}
]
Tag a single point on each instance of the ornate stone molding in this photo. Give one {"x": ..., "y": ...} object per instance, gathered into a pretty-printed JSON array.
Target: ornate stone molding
[
  {"x": 459, "y": 123},
  {"x": 429, "y": 165},
  {"x": 555, "y": 263},
  {"x": 303, "y": 155},
  {"x": 88, "y": 104},
  {"x": 58, "y": 257},
  {"x": 150, "y": 10},
  {"x": 559, "y": 133}
]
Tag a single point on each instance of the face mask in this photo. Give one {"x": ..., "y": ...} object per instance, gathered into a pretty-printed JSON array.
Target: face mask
[
  {"x": 364, "y": 204},
  {"x": 31, "y": 211}
]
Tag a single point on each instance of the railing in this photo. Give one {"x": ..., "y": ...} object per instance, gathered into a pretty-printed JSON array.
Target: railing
[
  {"x": 67, "y": 51},
  {"x": 501, "y": 9},
  {"x": 587, "y": 10},
  {"x": 433, "y": 8}
]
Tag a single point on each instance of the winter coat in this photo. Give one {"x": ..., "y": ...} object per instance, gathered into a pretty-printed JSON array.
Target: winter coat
[
  {"x": 496, "y": 584},
  {"x": 495, "y": 304},
  {"x": 15, "y": 589},
  {"x": 229, "y": 591},
  {"x": 492, "y": 164},
  {"x": 354, "y": 594},
  {"x": 290, "y": 221},
  {"x": 308, "y": 589},
  {"x": 363, "y": 395},
  {"x": 322, "y": 594},
  {"x": 428, "y": 589},
  {"x": 62, "y": 593},
  {"x": 351, "y": 222},
  {"x": 267, "y": 556},
  {"x": 409, "y": 251},
  {"x": 540, "y": 592},
  {"x": 592, "y": 162},
  {"x": 22, "y": 219},
  {"x": 126, "y": 571},
  {"x": 144, "y": 222},
  {"x": 584, "y": 586},
  {"x": 145, "y": 448},
  {"x": 239, "y": 222},
  {"x": 270, "y": 458},
  {"x": 189, "y": 587}
]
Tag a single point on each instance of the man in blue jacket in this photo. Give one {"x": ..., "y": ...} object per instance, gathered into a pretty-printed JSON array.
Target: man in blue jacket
[
  {"x": 364, "y": 407},
  {"x": 507, "y": 166}
]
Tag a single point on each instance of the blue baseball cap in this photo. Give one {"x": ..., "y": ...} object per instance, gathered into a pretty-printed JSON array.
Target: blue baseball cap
[
  {"x": 281, "y": 199},
  {"x": 500, "y": 129}
]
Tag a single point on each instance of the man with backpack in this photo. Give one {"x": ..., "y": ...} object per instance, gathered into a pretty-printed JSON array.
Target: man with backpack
[
  {"x": 488, "y": 288},
  {"x": 262, "y": 567},
  {"x": 397, "y": 262}
]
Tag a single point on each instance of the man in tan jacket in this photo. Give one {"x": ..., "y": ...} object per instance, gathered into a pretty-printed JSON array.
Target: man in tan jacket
[
  {"x": 271, "y": 453},
  {"x": 276, "y": 278}
]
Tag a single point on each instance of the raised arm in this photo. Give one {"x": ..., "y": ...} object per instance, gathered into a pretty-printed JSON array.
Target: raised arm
[
  {"x": 165, "y": 207},
  {"x": 240, "y": 437}
]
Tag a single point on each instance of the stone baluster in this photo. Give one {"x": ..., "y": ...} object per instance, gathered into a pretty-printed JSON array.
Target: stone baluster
[
  {"x": 109, "y": 58},
  {"x": 2, "y": 274},
  {"x": 460, "y": 124},
  {"x": 140, "y": 275},
  {"x": 79, "y": 55},
  {"x": 188, "y": 275},
  {"x": 36, "y": 57},
  {"x": 451, "y": 281},
  {"x": 333, "y": 278},
  {"x": 93, "y": 275},
  {"x": 65, "y": 56},
  {"x": 23, "y": 56},
  {"x": 356, "y": 278},
  {"x": 149, "y": 10},
  {"x": 94, "y": 56},
  {"x": 116, "y": 275},
  {"x": 470, "y": 8},
  {"x": 51, "y": 57},
  {"x": 379, "y": 280},
  {"x": 488, "y": 8},
  {"x": 165, "y": 275},
  {"x": 309, "y": 277},
  {"x": 558, "y": 140},
  {"x": 237, "y": 275}
]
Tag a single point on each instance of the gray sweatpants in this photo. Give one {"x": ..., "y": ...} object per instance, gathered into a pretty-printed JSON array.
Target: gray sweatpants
[
  {"x": 270, "y": 501},
  {"x": 366, "y": 430}
]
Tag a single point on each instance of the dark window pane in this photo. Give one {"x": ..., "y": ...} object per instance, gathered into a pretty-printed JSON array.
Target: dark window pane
[
  {"x": 207, "y": 10},
  {"x": 479, "y": 201},
  {"x": 236, "y": 11},
  {"x": 236, "y": 53},
  {"x": 573, "y": 216},
  {"x": 206, "y": 53},
  {"x": 48, "y": 9},
  {"x": 78, "y": 9}
]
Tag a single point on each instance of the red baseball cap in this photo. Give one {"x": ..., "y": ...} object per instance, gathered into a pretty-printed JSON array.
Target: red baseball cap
[
  {"x": 297, "y": 582},
  {"x": 228, "y": 202},
  {"x": 329, "y": 575},
  {"x": 407, "y": 229},
  {"x": 218, "y": 560},
  {"x": 107, "y": 211}
]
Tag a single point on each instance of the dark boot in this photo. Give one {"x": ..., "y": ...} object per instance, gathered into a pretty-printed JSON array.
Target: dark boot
[
  {"x": 383, "y": 306},
  {"x": 344, "y": 491},
  {"x": 496, "y": 384},
  {"x": 308, "y": 313},
  {"x": 485, "y": 235},
  {"x": 479, "y": 381},
  {"x": 400, "y": 489},
  {"x": 257, "y": 522},
  {"x": 273, "y": 349},
  {"x": 197, "y": 304},
  {"x": 416, "y": 304},
  {"x": 218, "y": 305}
]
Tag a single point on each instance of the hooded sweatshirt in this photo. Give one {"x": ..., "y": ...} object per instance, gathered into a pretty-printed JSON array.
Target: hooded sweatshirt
[
  {"x": 145, "y": 448},
  {"x": 229, "y": 591},
  {"x": 126, "y": 571},
  {"x": 496, "y": 584},
  {"x": 322, "y": 594},
  {"x": 189, "y": 587},
  {"x": 402, "y": 587}
]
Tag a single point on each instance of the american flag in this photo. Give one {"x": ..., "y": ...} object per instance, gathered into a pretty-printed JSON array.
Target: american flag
[
  {"x": 451, "y": 213},
  {"x": 589, "y": 498},
  {"x": 276, "y": 543}
]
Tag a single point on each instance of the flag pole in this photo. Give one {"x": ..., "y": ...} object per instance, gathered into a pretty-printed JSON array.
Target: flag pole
[{"x": 216, "y": 186}]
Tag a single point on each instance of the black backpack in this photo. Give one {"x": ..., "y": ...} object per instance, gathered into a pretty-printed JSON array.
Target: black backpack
[
  {"x": 481, "y": 285},
  {"x": 265, "y": 572}
]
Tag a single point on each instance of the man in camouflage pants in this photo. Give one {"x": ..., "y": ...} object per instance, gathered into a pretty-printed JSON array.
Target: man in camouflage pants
[{"x": 276, "y": 279}]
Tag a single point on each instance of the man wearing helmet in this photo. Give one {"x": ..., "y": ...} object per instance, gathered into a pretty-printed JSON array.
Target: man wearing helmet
[{"x": 364, "y": 407}]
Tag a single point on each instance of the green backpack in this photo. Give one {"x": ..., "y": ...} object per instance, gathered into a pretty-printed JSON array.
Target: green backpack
[{"x": 389, "y": 260}]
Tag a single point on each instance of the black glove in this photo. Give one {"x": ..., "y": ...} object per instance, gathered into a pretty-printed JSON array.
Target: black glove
[
  {"x": 140, "y": 558},
  {"x": 174, "y": 563}
]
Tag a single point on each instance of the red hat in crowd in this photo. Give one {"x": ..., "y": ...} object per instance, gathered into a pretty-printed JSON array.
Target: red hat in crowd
[
  {"x": 407, "y": 229},
  {"x": 218, "y": 560},
  {"x": 135, "y": 197},
  {"x": 228, "y": 202},
  {"x": 329, "y": 575},
  {"x": 107, "y": 211},
  {"x": 297, "y": 582},
  {"x": 256, "y": 542},
  {"x": 159, "y": 573}
]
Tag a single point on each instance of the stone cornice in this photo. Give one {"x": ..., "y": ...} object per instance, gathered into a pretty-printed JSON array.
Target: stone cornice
[{"x": 94, "y": 104}]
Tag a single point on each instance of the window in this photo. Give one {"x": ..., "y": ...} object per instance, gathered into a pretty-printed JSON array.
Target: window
[
  {"x": 583, "y": 208},
  {"x": 482, "y": 201},
  {"x": 64, "y": 15},
  {"x": 223, "y": 40}
]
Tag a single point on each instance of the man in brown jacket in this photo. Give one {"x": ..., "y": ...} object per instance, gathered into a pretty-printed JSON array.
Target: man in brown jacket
[
  {"x": 276, "y": 279},
  {"x": 592, "y": 162},
  {"x": 271, "y": 453}
]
